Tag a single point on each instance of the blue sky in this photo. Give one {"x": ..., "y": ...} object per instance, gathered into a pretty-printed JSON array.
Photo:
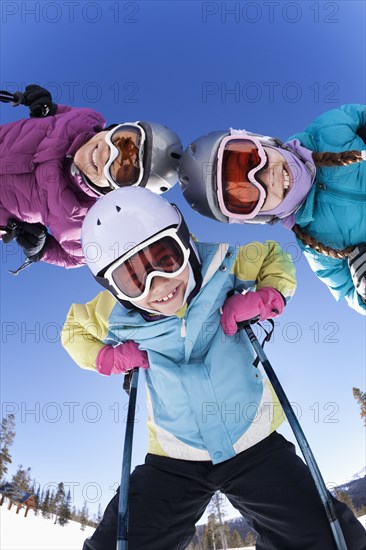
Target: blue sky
[{"x": 269, "y": 67}]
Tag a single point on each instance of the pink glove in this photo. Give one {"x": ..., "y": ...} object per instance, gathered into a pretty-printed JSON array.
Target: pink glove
[
  {"x": 266, "y": 302},
  {"x": 122, "y": 358}
]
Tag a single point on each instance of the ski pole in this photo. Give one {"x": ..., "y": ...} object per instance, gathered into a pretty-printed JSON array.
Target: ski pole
[
  {"x": 27, "y": 262},
  {"x": 300, "y": 437},
  {"x": 10, "y": 232},
  {"x": 122, "y": 532}
]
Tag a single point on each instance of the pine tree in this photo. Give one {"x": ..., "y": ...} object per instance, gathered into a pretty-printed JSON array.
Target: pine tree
[
  {"x": 235, "y": 540},
  {"x": 249, "y": 539},
  {"x": 58, "y": 499},
  {"x": 217, "y": 507},
  {"x": 210, "y": 533},
  {"x": 74, "y": 514},
  {"x": 38, "y": 500},
  {"x": 345, "y": 497},
  {"x": 99, "y": 514},
  {"x": 21, "y": 482},
  {"x": 65, "y": 510},
  {"x": 46, "y": 509},
  {"x": 361, "y": 400},
  {"x": 7, "y": 435},
  {"x": 84, "y": 517}
]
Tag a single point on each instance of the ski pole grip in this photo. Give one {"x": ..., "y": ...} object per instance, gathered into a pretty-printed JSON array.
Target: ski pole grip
[
  {"x": 11, "y": 230},
  {"x": 243, "y": 324},
  {"x": 127, "y": 381}
]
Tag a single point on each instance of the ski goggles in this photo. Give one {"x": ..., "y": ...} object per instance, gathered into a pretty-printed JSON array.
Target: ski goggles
[
  {"x": 163, "y": 255},
  {"x": 240, "y": 193},
  {"x": 124, "y": 166}
]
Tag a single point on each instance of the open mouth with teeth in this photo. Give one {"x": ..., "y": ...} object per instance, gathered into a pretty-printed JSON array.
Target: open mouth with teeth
[
  {"x": 286, "y": 181},
  {"x": 169, "y": 297},
  {"x": 94, "y": 159}
]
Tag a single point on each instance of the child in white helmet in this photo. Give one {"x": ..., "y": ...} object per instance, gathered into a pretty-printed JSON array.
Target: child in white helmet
[
  {"x": 212, "y": 417},
  {"x": 55, "y": 167},
  {"x": 314, "y": 184}
]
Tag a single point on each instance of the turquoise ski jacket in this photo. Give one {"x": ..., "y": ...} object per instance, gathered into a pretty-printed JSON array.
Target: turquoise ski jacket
[{"x": 335, "y": 209}]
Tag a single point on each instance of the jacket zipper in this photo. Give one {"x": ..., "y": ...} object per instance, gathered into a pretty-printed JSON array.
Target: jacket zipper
[
  {"x": 183, "y": 331},
  {"x": 332, "y": 191}
]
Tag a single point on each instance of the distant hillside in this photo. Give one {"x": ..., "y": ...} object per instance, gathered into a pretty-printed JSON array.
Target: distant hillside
[{"x": 356, "y": 490}]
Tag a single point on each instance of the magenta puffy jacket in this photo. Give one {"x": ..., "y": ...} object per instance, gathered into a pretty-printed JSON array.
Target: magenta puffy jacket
[{"x": 36, "y": 184}]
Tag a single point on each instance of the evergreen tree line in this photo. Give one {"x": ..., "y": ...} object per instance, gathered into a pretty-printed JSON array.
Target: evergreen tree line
[
  {"x": 49, "y": 502},
  {"x": 219, "y": 534},
  {"x": 216, "y": 534}
]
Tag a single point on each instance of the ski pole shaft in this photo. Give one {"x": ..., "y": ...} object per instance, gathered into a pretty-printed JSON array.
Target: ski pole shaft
[
  {"x": 300, "y": 437},
  {"x": 122, "y": 532},
  {"x": 25, "y": 264}
]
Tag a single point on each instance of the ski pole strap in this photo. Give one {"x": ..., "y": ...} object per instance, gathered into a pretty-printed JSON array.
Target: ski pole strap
[
  {"x": 241, "y": 326},
  {"x": 127, "y": 382},
  {"x": 7, "y": 97}
]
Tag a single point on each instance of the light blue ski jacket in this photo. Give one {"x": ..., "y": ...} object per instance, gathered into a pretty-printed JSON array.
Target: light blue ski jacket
[
  {"x": 335, "y": 209},
  {"x": 206, "y": 400}
]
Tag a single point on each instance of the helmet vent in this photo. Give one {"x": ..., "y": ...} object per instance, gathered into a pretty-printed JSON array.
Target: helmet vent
[
  {"x": 185, "y": 178},
  {"x": 99, "y": 222},
  {"x": 163, "y": 189},
  {"x": 118, "y": 208},
  {"x": 176, "y": 156},
  {"x": 192, "y": 147}
]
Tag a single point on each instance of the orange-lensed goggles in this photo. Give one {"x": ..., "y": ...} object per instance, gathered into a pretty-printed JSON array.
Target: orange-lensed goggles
[
  {"x": 239, "y": 191},
  {"x": 164, "y": 256},
  {"x": 126, "y": 144}
]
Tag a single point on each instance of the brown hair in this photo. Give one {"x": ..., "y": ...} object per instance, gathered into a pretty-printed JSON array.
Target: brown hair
[{"x": 329, "y": 159}]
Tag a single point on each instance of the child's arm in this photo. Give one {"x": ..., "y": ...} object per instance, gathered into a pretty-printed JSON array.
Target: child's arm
[
  {"x": 335, "y": 130},
  {"x": 337, "y": 276},
  {"x": 84, "y": 337},
  {"x": 267, "y": 265},
  {"x": 68, "y": 255},
  {"x": 268, "y": 268}
]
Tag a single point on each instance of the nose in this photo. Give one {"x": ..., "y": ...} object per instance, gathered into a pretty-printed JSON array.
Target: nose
[
  {"x": 158, "y": 283},
  {"x": 104, "y": 153}
]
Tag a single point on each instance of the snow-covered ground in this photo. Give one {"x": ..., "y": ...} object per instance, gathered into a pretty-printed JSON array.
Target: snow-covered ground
[{"x": 37, "y": 533}]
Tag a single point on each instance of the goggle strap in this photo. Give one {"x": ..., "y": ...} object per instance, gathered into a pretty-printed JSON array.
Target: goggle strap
[{"x": 147, "y": 156}]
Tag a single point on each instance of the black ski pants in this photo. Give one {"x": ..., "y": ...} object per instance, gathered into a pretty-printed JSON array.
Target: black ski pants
[{"x": 268, "y": 484}]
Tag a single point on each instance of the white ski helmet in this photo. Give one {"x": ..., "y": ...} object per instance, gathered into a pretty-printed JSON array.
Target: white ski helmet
[{"x": 124, "y": 219}]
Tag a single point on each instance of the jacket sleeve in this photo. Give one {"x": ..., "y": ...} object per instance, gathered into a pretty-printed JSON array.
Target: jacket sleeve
[
  {"x": 266, "y": 265},
  {"x": 86, "y": 329},
  {"x": 337, "y": 276},
  {"x": 69, "y": 255},
  {"x": 335, "y": 130}
]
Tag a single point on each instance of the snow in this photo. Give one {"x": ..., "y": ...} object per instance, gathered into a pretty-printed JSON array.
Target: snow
[
  {"x": 37, "y": 533},
  {"x": 360, "y": 474}
]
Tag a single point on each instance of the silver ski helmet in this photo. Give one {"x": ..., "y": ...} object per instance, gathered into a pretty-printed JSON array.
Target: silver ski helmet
[
  {"x": 124, "y": 221},
  {"x": 198, "y": 175}
]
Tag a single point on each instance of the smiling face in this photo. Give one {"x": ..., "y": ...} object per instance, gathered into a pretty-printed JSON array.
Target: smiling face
[
  {"x": 92, "y": 157},
  {"x": 166, "y": 295},
  {"x": 277, "y": 179}
]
